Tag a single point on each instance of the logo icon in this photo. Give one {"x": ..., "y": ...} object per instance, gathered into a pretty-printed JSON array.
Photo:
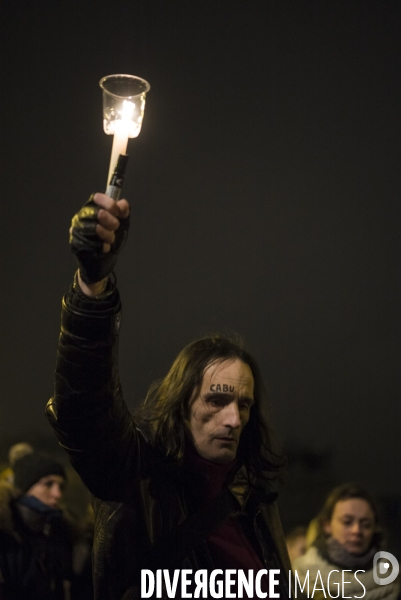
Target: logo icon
[{"x": 383, "y": 567}]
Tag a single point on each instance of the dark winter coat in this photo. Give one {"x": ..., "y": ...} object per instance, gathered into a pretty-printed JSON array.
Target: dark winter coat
[
  {"x": 140, "y": 494},
  {"x": 35, "y": 551}
]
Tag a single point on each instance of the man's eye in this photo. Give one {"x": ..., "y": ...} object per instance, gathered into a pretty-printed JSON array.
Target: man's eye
[{"x": 216, "y": 402}]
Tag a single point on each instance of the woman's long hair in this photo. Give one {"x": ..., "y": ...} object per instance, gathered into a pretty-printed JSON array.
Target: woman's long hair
[{"x": 166, "y": 407}]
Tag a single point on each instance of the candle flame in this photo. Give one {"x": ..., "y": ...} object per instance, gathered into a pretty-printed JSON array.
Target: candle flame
[
  {"x": 128, "y": 117},
  {"x": 127, "y": 112}
]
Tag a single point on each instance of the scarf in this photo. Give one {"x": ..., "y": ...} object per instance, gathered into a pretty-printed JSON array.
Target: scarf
[{"x": 337, "y": 554}]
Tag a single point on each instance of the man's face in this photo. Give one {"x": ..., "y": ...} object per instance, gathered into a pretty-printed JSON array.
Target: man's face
[
  {"x": 352, "y": 525},
  {"x": 48, "y": 490},
  {"x": 219, "y": 410}
]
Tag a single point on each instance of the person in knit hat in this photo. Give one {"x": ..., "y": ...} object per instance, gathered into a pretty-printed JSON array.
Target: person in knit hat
[
  {"x": 40, "y": 476},
  {"x": 35, "y": 537}
]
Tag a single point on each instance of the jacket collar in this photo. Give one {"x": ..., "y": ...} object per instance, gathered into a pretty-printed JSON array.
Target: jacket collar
[{"x": 249, "y": 491}]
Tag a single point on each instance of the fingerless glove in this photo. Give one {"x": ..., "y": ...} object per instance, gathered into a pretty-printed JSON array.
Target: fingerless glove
[{"x": 94, "y": 264}]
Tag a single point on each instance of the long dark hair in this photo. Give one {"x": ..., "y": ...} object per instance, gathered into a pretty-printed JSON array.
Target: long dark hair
[{"x": 165, "y": 408}]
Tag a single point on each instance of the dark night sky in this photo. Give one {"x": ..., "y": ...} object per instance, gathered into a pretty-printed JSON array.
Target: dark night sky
[{"x": 265, "y": 191}]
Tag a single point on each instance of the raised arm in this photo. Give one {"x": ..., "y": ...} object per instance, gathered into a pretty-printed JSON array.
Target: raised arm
[{"x": 87, "y": 410}]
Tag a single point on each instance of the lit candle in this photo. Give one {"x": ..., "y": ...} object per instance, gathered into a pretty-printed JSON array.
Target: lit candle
[
  {"x": 123, "y": 108},
  {"x": 122, "y": 131}
]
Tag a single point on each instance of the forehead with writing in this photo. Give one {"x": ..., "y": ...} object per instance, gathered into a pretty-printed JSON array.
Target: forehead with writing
[{"x": 232, "y": 377}]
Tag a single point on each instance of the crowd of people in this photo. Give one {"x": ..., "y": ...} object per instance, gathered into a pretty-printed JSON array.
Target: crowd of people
[
  {"x": 188, "y": 483},
  {"x": 45, "y": 552}
]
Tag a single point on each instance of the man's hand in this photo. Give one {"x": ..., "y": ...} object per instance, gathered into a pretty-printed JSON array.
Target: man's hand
[
  {"x": 109, "y": 215},
  {"x": 97, "y": 234}
]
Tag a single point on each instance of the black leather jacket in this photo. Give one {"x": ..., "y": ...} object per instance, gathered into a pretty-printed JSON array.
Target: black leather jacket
[{"x": 140, "y": 495}]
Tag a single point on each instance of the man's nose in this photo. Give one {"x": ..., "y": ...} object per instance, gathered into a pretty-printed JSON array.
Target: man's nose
[
  {"x": 56, "y": 492},
  {"x": 231, "y": 416}
]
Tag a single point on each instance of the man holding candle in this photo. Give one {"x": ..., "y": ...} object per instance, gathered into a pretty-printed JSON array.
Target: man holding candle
[{"x": 189, "y": 482}]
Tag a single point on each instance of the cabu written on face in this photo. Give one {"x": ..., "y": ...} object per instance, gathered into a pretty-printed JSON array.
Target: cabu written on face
[{"x": 220, "y": 408}]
